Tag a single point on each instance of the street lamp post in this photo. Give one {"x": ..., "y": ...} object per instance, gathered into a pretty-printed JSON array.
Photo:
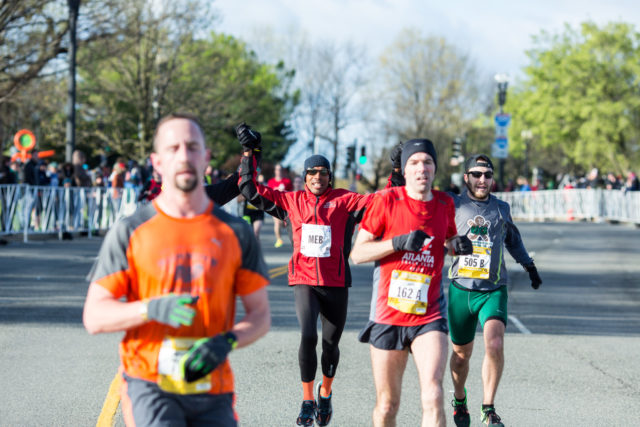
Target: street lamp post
[
  {"x": 526, "y": 135},
  {"x": 502, "y": 80}
]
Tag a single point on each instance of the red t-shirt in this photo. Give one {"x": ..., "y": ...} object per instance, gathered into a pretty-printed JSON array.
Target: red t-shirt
[
  {"x": 407, "y": 288},
  {"x": 283, "y": 184}
]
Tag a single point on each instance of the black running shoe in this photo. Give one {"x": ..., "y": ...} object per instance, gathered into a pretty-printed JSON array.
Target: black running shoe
[
  {"x": 307, "y": 413},
  {"x": 460, "y": 411},
  {"x": 324, "y": 409},
  {"x": 490, "y": 418}
]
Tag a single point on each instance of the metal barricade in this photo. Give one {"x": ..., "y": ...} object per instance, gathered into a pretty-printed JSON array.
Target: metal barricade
[
  {"x": 571, "y": 204},
  {"x": 29, "y": 210}
]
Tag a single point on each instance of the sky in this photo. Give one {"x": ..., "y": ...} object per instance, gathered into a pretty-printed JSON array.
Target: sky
[{"x": 495, "y": 33}]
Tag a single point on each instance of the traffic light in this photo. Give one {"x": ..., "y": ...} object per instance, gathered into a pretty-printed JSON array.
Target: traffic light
[
  {"x": 363, "y": 155},
  {"x": 456, "y": 152},
  {"x": 351, "y": 154},
  {"x": 457, "y": 148}
]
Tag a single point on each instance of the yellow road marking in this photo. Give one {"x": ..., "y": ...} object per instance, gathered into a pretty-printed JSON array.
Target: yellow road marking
[
  {"x": 111, "y": 402},
  {"x": 275, "y": 269},
  {"x": 278, "y": 271}
]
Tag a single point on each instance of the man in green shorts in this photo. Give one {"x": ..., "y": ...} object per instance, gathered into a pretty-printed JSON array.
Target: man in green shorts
[{"x": 478, "y": 285}]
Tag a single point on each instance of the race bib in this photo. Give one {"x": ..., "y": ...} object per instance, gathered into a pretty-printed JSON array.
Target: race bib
[
  {"x": 316, "y": 240},
  {"x": 169, "y": 375},
  {"x": 477, "y": 265},
  {"x": 408, "y": 291}
]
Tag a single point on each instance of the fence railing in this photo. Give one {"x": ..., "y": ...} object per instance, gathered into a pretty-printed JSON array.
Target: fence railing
[
  {"x": 596, "y": 205},
  {"x": 29, "y": 210}
]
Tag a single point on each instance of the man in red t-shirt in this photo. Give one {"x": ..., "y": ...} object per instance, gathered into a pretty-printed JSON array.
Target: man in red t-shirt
[
  {"x": 280, "y": 183},
  {"x": 407, "y": 231}
]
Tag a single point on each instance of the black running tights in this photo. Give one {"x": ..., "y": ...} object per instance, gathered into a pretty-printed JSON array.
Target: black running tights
[{"x": 331, "y": 305}]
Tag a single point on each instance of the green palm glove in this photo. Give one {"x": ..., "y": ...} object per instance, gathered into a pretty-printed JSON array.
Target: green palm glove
[
  {"x": 205, "y": 355},
  {"x": 172, "y": 309}
]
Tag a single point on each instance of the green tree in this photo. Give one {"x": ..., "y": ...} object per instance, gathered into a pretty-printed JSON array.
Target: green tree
[
  {"x": 223, "y": 83},
  {"x": 124, "y": 79},
  {"x": 134, "y": 80},
  {"x": 580, "y": 100},
  {"x": 429, "y": 88}
]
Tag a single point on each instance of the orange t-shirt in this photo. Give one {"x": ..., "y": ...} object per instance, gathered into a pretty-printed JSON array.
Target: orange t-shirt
[{"x": 149, "y": 254}]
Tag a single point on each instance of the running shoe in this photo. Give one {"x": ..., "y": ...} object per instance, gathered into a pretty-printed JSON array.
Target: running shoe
[
  {"x": 307, "y": 413},
  {"x": 278, "y": 243},
  {"x": 460, "y": 411},
  {"x": 490, "y": 418},
  {"x": 323, "y": 407}
]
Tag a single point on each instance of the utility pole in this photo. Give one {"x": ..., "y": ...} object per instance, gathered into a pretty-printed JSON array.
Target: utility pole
[{"x": 74, "y": 7}]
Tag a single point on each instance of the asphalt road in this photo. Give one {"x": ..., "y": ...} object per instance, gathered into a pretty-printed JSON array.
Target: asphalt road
[{"x": 571, "y": 346}]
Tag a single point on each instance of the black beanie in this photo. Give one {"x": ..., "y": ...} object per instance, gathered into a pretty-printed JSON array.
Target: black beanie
[
  {"x": 418, "y": 146},
  {"x": 314, "y": 161},
  {"x": 478, "y": 160}
]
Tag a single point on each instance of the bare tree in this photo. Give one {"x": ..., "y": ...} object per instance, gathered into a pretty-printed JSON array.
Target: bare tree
[
  {"x": 31, "y": 34},
  {"x": 429, "y": 88},
  {"x": 344, "y": 78},
  {"x": 329, "y": 78},
  {"x": 32, "y": 38}
]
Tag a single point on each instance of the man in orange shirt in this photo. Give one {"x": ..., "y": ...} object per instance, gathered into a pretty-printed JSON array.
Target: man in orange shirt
[{"x": 180, "y": 261}]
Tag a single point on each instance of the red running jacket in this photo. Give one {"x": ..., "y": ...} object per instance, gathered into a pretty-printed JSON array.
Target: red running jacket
[{"x": 337, "y": 209}]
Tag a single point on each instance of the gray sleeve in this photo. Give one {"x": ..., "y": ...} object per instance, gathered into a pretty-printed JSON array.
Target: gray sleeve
[
  {"x": 513, "y": 241},
  {"x": 112, "y": 257}
]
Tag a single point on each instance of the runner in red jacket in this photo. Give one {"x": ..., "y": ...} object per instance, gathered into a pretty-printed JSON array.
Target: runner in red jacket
[{"x": 323, "y": 221}]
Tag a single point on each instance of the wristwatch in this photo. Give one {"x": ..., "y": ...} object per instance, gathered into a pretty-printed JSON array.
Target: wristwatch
[{"x": 144, "y": 310}]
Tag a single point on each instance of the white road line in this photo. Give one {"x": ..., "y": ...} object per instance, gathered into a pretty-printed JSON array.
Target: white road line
[{"x": 519, "y": 325}]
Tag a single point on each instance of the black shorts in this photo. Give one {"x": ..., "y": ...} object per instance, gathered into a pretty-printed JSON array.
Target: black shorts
[
  {"x": 254, "y": 215},
  {"x": 391, "y": 337}
]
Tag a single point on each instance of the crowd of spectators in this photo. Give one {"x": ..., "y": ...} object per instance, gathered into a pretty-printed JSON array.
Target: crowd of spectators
[
  {"x": 125, "y": 173},
  {"x": 122, "y": 173},
  {"x": 591, "y": 180}
]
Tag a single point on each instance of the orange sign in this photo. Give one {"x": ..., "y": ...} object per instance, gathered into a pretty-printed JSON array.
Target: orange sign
[{"x": 24, "y": 140}]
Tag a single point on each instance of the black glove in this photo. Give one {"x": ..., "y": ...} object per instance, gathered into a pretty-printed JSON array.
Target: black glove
[
  {"x": 462, "y": 245},
  {"x": 249, "y": 138},
  {"x": 536, "y": 281},
  {"x": 397, "y": 179},
  {"x": 205, "y": 355},
  {"x": 172, "y": 309},
  {"x": 413, "y": 241},
  {"x": 251, "y": 141},
  {"x": 396, "y": 156},
  {"x": 246, "y": 168}
]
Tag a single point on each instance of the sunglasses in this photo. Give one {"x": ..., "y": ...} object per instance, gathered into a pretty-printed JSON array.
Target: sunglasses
[
  {"x": 476, "y": 174},
  {"x": 323, "y": 171}
]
